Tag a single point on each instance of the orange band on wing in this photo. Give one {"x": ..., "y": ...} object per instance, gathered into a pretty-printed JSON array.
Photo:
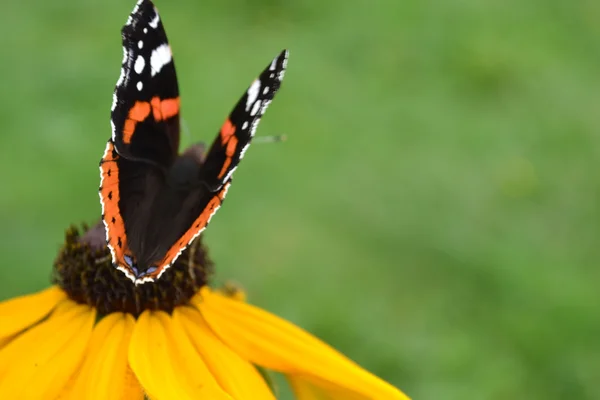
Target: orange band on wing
[
  {"x": 227, "y": 130},
  {"x": 137, "y": 113},
  {"x": 161, "y": 110},
  {"x": 198, "y": 225},
  {"x": 109, "y": 196},
  {"x": 164, "y": 109},
  {"x": 231, "y": 146},
  {"x": 229, "y": 152},
  {"x": 226, "y": 165}
]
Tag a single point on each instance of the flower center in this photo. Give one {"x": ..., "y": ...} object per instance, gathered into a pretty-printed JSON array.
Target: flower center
[{"x": 84, "y": 270}]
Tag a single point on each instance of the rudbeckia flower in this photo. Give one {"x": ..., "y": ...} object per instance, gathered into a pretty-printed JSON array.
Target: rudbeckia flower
[{"x": 96, "y": 335}]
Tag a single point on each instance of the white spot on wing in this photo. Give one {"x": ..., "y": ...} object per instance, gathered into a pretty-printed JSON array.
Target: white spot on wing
[
  {"x": 148, "y": 278},
  {"x": 229, "y": 174},
  {"x": 160, "y": 57},
  {"x": 125, "y": 55},
  {"x": 140, "y": 44},
  {"x": 253, "y": 126},
  {"x": 245, "y": 125},
  {"x": 145, "y": 30},
  {"x": 264, "y": 107},
  {"x": 123, "y": 63},
  {"x": 226, "y": 189},
  {"x": 121, "y": 77},
  {"x": 285, "y": 59},
  {"x": 126, "y": 272},
  {"x": 154, "y": 23},
  {"x": 283, "y": 66},
  {"x": 114, "y": 129},
  {"x": 114, "y": 103},
  {"x": 139, "y": 64},
  {"x": 135, "y": 10},
  {"x": 137, "y": 6},
  {"x": 140, "y": 86},
  {"x": 244, "y": 150},
  {"x": 266, "y": 90},
  {"x": 252, "y": 93},
  {"x": 255, "y": 108}
]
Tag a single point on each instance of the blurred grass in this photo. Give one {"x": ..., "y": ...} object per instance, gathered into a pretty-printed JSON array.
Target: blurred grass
[{"x": 434, "y": 213}]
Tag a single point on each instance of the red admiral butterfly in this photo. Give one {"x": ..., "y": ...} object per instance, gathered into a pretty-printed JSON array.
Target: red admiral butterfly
[{"x": 155, "y": 202}]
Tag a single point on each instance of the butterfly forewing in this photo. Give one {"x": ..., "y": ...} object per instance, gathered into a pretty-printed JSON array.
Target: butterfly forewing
[
  {"x": 234, "y": 137},
  {"x": 145, "y": 110},
  {"x": 230, "y": 145}
]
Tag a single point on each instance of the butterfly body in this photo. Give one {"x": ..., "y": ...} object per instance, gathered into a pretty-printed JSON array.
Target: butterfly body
[{"x": 154, "y": 200}]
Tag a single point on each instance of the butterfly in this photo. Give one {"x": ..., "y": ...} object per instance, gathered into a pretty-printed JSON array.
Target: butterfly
[{"x": 155, "y": 201}]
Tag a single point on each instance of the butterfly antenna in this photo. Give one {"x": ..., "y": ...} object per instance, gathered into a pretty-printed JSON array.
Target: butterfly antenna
[{"x": 270, "y": 139}]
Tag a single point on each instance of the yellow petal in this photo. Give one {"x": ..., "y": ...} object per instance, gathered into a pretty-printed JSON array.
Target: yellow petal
[
  {"x": 43, "y": 359},
  {"x": 64, "y": 393},
  {"x": 237, "y": 376},
  {"x": 23, "y": 343},
  {"x": 131, "y": 385},
  {"x": 5, "y": 341},
  {"x": 274, "y": 343},
  {"x": 21, "y": 312},
  {"x": 313, "y": 389},
  {"x": 105, "y": 373},
  {"x": 166, "y": 363},
  {"x": 304, "y": 391}
]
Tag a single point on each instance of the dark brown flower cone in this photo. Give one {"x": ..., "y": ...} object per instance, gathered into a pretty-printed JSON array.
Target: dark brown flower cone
[{"x": 84, "y": 270}]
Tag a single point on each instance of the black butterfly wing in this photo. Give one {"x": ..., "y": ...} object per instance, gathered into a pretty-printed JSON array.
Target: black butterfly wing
[
  {"x": 226, "y": 152},
  {"x": 145, "y": 131},
  {"x": 238, "y": 129},
  {"x": 145, "y": 109}
]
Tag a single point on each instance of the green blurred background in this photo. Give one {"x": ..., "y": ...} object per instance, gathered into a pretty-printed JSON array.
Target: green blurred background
[{"x": 435, "y": 212}]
